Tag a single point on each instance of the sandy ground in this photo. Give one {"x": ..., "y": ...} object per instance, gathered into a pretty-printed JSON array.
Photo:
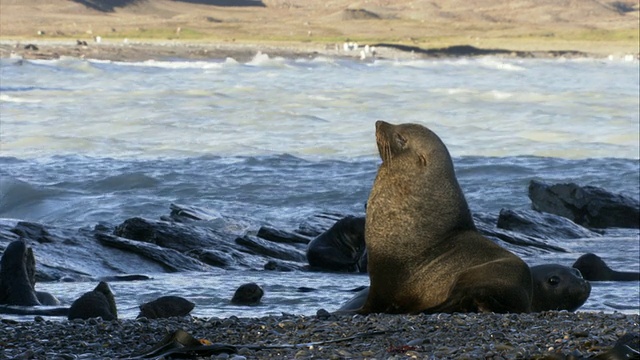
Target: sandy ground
[{"x": 137, "y": 29}]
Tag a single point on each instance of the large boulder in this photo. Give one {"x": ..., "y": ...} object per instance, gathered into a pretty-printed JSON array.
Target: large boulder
[
  {"x": 542, "y": 225},
  {"x": 589, "y": 206}
]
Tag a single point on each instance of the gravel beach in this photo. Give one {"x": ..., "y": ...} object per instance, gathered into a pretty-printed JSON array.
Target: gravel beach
[{"x": 546, "y": 335}]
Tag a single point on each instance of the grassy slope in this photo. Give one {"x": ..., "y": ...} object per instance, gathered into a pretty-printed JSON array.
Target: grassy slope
[{"x": 587, "y": 25}]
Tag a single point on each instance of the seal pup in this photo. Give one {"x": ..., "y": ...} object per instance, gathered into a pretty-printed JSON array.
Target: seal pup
[
  {"x": 341, "y": 248},
  {"x": 424, "y": 251},
  {"x": 247, "y": 294},
  {"x": 558, "y": 287},
  {"x": 593, "y": 268},
  {"x": 165, "y": 307},
  {"x": 555, "y": 287},
  {"x": 96, "y": 303}
]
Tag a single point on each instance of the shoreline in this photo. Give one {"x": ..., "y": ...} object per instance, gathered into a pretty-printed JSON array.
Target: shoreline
[
  {"x": 545, "y": 335},
  {"x": 158, "y": 50}
]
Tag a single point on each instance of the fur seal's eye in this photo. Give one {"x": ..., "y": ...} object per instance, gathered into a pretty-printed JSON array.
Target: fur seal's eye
[
  {"x": 401, "y": 140},
  {"x": 554, "y": 280}
]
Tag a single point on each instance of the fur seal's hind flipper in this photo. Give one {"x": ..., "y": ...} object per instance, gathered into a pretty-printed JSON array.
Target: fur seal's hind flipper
[
  {"x": 14, "y": 310},
  {"x": 181, "y": 342}
]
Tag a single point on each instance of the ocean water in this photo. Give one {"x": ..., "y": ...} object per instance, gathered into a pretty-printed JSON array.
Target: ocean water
[{"x": 273, "y": 141}]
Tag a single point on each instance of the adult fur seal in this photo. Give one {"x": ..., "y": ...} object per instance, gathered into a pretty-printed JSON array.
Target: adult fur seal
[
  {"x": 97, "y": 303},
  {"x": 557, "y": 287},
  {"x": 593, "y": 268},
  {"x": 425, "y": 253},
  {"x": 17, "y": 265}
]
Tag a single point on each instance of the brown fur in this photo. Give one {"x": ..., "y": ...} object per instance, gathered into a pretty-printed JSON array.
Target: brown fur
[{"x": 425, "y": 254}]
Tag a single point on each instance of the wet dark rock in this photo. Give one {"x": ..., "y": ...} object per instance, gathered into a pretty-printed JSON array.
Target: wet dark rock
[
  {"x": 184, "y": 213},
  {"x": 247, "y": 294},
  {"x": 279, "y": 265},
  {"x": 226, "y": 259},
  {"x": 170, "y": 259},
  {"x": 318, "y": 223},
  {"x": 280, "y": 236},
  {"x": 518, "y": 243},
  {"x": 175, "y": 236},
  {"x": 165, "y": 307},
  {"x": 97, "y": 303},
  {"x": 254, "y": 245},
  {"x": 542, "y": 225},
  {"x": 125, "y": 277},
  {"x": 32, "y": 231},
  {"x": 589, "y": 206}
]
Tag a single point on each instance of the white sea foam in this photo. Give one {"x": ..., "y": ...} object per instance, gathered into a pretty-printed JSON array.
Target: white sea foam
[{"x": 15, "y": 99}]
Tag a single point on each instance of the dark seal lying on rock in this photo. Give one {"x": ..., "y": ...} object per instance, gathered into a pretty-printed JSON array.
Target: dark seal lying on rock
[
  {"x": 424, "y": 251},
  {"x": 165, "y": 307},
  {"x": 341, "y": 248},
  {"x": 593, "y": 268},
  {"x": 97, "y": 303}
]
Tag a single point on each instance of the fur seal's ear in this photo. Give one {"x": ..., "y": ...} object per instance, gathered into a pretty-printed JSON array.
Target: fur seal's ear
[{"x": 423, "y": 159}]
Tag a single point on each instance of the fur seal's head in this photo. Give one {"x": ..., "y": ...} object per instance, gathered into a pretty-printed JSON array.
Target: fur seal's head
[
  {"x": 410, "y": 142},
  {"x": 248, "y": 294},
  {"x": 16, "y": 254},
  {"x": 591, "y": 266},
  {"x": 557, "y": 287},
  {"x": 105, "y": 290}
]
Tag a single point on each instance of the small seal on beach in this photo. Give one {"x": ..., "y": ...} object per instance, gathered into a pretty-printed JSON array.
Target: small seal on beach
[
  {"x": 46, "y": 298},
  {"x": 248, "y": 294},
  {"x": 424, "y": 251},
  {"x": 341, "y": 248},
  {"x": 557, "y": 287},
  {"x": 593, "y": 268},
  {"x": 17, "y": 269},
  {"x": 97, "y": 303},
  {"x": 165, "y": 307}
]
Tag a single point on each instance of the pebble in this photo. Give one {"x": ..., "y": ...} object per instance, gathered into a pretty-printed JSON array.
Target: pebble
[{"x": 438, "y": 336}]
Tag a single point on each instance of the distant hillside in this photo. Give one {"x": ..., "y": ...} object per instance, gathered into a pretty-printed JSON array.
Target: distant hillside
[{"x": 421, "y": 22}]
